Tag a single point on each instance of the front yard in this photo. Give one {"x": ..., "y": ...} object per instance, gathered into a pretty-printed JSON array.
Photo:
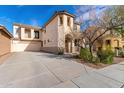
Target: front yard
[
  {"x": 101, "y": 65},
  {"x": 98, "y": 59}
]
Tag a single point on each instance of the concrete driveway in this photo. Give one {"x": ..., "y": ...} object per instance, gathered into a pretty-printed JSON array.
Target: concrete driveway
[{"x": 39, "y": 70}]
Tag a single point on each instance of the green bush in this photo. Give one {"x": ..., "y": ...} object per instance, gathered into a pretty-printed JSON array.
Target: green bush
[
  {"x": 122, "y": 54},
  {"x": 95, "y": 60},
  {"x": 85, "y": 54},
  {"x": 106, "y": 56}
]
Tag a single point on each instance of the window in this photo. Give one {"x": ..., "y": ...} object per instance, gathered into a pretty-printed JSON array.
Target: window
[
  {"x": 48, "y": 40},
  {"x": 76, "y": 42},
  {"x": 27, "y": 33},
  {"x": 61, "y": 20},
  {"x": 99, "y": 48},
  {"x": 41, "y": 43},
  {"x": 36, "y": 34},
  {"x": 108, "y": 42},
  {"x": 68, "y": 21}
]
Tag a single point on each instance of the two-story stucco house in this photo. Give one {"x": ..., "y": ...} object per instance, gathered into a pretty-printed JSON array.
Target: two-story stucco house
[{"x": 55, "y": 35}]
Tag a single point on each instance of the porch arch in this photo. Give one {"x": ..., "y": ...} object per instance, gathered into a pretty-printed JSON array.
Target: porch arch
[{"x": 68, "y": 43}]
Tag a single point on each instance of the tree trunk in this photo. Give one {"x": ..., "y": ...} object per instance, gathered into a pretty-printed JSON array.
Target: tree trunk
[{"x": 91, "y": 52}]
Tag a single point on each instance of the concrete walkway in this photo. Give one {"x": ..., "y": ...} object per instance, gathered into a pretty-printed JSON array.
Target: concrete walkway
[{"x": 39, "y": 70}]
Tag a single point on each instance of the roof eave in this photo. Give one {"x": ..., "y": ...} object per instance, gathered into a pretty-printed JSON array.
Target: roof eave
[
  {"x": 58, "y": 13},
  {"x": 6, "y": 31}
]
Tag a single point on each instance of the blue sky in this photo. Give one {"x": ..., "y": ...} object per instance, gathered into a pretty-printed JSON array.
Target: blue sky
[{"x": 33, "y": 15}]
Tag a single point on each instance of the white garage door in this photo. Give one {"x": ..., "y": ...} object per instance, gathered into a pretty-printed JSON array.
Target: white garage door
[{"x": 26, "y": 46}]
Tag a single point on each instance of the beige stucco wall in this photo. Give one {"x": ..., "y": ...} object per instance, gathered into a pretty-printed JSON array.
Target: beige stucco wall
[
  {"x": 51, "y": 34},
  {"x": 19, "y": 33},
  {"x": 55, "y": 33},
  {"x": 78, "y": 28},
  {"x": 113, "y": 42},
  {"x": 18, "y": 46},
  {"x": 21, "y": 43},
  {"x": 68, "y": 29},
  {"x": 5, "y": 43},
  {"x": 64, "y": 29},
  {"x": 32, "y": 34}
]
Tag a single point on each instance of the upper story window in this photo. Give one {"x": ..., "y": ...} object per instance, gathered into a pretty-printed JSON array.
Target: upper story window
[
  {"x": 27, "y": 33},
  {"x": 36, "y": 34},
  {"x": 68, "y": 21},
  {"x": 61, "y": 20}
]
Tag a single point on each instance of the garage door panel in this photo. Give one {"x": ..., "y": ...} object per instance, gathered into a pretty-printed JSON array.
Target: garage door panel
[{"x": 26, "y": 46}]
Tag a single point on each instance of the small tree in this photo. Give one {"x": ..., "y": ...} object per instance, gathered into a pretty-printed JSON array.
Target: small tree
[
  {"x": 119, "y": 11},
  {"x": 99, "y": 26}
]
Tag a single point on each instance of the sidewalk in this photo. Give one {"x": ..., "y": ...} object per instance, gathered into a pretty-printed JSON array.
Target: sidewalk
[{"x": 108, "y": 77}]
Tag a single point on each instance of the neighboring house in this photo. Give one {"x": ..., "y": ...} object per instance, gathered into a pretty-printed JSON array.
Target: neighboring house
[
  {"x": 114, "y": 41},
  {"x": 56, "y": 35},
  {"x": 108, "y": 40},
  {"x": 5, "y": 41}
]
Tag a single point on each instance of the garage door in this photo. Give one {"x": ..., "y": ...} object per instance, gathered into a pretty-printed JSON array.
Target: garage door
[{"x": 26, "y": 46}]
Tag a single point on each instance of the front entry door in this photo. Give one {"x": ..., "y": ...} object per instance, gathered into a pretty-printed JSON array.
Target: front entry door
[{"x": 68, "y": 46}]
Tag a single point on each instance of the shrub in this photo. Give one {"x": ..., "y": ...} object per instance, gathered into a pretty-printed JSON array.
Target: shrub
[
  {"x": 95, "y": 60},
  {"x": 85, "y": 54},
  {"x": 122, "y": 54},
  {"x": 106, "y": 56}
]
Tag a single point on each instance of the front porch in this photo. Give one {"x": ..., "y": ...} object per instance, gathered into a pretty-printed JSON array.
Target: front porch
[{"x": 71, "y": 45}]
